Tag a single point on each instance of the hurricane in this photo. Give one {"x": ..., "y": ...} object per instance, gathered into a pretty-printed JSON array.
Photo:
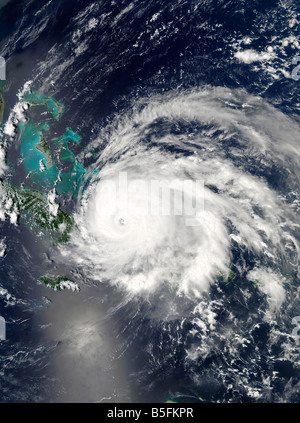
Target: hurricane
[
  {"x": 149, "y": 201},
  {"x": 249, "y": 223}
]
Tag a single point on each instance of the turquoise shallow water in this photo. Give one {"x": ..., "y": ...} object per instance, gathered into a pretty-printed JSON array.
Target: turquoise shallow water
[{"x": 36, "y": 154}]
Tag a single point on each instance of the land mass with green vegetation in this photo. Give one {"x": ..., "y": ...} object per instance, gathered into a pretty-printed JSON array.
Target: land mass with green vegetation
[{"x": 35, "y": 212}]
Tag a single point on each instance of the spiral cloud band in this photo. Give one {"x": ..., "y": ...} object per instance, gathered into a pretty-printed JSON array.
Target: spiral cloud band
[{"x": 243, "y": 150}]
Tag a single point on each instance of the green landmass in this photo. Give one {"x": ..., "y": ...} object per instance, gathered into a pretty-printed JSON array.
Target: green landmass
[
  {"x": 44, "y": 148},
  {"x": 58, "y": 283},
  {"x": 228, "y": 279},
  {"x": 34, "y": 211}
]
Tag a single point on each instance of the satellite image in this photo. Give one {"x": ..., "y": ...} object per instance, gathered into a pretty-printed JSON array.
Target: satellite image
[{"x": 149, "y": 201}]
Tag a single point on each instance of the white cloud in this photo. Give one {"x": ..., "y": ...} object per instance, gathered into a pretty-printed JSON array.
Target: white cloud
[
  {"x": 271, "y": 284},
  {"x": 243, "y": 211},
  {"x": 250, "y": 56}
]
